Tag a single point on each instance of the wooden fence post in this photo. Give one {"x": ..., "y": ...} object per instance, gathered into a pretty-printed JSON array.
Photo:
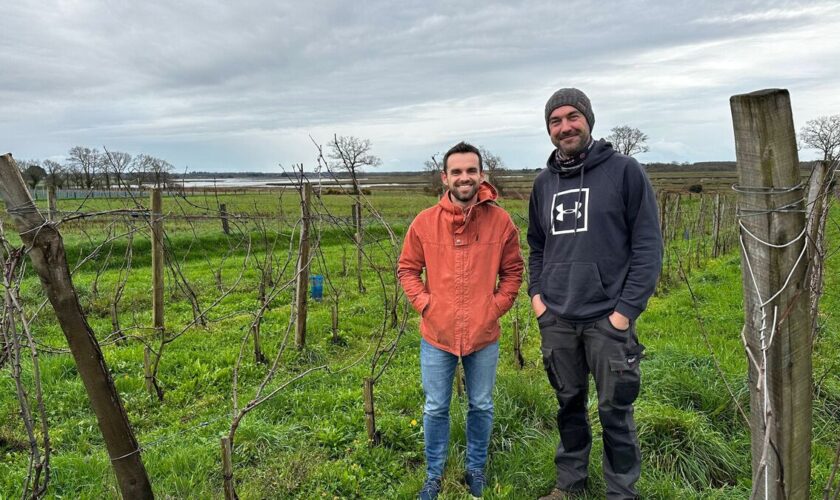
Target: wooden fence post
[
  {"x": 259, "y": 357},
  {"x": 676, "y": 215},
  {"x": 773, "y": 261},
  {"x": 227, "y": 470},
  {"x": 157, "y": 287},
  {"x": 51, "y": 202},
  {"x": 718, "y": 216},
  {"x": 157, "y": 261},
  {"x": 357, "y": 221},
  {"x": 303, "y": 267},
  {"x": 46, "y": 251},
  {"x": 518, "y": 359},
  {"x": 224, "y": 216},
  {"x": 663, "y": 210},
  {"x": 370, "y": 414},
  {"x": 334, "y": 313},
  {"x": 819, "y": 203}
]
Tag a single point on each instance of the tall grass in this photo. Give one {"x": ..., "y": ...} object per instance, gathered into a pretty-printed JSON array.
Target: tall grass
[{"x": 310, "y": 441}]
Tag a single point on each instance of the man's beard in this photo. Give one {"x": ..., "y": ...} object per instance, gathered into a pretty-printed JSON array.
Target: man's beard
[
  {"x": 569, "y": 151},
  {"x": 464, "y": 198}
]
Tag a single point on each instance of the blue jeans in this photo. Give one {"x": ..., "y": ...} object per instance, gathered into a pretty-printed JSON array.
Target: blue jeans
[{"x": 437, "y": 368}]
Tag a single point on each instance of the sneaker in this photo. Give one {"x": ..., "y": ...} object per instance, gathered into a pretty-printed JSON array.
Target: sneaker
[
  {"x": 475, "y": 481},
  {"x": 431, "y": 489}
]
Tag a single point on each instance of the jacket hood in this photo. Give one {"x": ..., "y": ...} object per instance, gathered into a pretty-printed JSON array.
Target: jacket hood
[
  {"x": 486, "y": 193},
  {"x": 601, "y": 151}
]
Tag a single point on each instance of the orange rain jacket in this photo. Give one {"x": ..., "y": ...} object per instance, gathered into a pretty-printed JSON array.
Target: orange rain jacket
[{"x": 463, "y": 252}]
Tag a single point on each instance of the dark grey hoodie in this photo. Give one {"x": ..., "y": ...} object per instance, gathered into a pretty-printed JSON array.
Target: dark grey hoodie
[{"x": 594, "y": 237}]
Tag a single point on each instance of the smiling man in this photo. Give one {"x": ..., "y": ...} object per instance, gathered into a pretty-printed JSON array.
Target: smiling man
[
  {"x": 596, "y": 253},
  {"x": 469, "y": 248}
]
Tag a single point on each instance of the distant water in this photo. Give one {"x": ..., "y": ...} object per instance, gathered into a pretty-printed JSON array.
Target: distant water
[
  {"x": 236, "y": 182},
  {"x": 252, "y": 182}
]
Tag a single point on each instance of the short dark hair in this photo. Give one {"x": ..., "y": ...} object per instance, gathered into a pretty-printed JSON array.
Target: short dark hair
[{"x": 463, "y": 147}]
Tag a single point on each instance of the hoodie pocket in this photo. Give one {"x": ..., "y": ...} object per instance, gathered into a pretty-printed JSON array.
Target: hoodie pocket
[{"x": 573, "y": 285}]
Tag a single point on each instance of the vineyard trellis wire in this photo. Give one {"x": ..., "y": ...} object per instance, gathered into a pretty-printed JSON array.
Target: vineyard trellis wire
[{"x": 258, "y": 260}]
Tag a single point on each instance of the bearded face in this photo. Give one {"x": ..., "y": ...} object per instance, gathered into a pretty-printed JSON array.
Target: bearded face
[
  {"x": 568, "y": 130},
  {"x": 462, "y": 176}
]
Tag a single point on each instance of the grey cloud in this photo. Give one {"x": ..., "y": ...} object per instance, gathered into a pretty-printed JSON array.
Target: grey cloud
[{"x": 196, "y": 73}]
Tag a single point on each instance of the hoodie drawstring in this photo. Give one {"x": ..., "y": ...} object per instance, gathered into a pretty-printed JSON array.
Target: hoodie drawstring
[{"x": 580, "y": 192}]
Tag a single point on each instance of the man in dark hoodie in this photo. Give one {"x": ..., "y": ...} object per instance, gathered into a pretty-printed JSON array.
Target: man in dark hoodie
[{"x": 596, "y": 253}]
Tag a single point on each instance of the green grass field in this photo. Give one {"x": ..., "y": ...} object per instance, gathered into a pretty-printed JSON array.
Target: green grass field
[{"x": 309, "y": 441}]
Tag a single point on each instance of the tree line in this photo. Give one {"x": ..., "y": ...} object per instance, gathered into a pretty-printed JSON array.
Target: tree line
[{"x": 90, "y": 168}]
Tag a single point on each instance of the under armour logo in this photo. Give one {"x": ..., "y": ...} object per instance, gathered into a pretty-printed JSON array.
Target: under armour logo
[
  {"x": 562, "y": 212},
  {"x": 570, "y": 211}
]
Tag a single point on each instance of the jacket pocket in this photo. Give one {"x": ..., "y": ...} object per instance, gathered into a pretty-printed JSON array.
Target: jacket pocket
[
  {"x": 490, "y": 314},
  {"x": 495, "y": 305},
  {"x": 431, "y": 319},
  {"x": 573, "y": 285}
]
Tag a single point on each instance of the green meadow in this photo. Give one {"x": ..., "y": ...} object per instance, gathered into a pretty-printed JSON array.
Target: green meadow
[{"x": 309, "y": 440}]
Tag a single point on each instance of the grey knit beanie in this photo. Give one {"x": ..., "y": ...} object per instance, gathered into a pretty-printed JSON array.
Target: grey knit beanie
[{"x": 570, "y": 97}]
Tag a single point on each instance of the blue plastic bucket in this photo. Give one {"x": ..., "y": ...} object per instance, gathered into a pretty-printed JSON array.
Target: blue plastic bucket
[{"x": 316, "y": 289}]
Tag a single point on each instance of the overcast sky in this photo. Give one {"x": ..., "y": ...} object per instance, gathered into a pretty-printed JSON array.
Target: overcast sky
[{"x": 221, "y": 87}]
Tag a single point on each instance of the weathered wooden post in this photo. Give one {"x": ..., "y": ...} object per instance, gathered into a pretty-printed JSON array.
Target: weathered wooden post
[
  {"x": 148, "y": 377},
  {"x": 676, "y": 215},
  {"x": 46, "y": 251},
  {"x": 149, "y": 362},
  {"x": 157, "y": 261},
  {"x": 224, "y": 215},
  {"x": 302, "y": 267},
  {"x": 777, "y": 328},
  {"x": 334, "y": 317},
  {"x": 819, "y": 202},
  {"x": 259, "y": 357},
  {"x": 227, "y": 470},
  {"x": 663, "y": 210},
  {"x": 518, "y": 359},
  {"x": 51, "y": 202},
  {"x": 718, "y": 216},
  {"x": 357, "y": 221},
  {"x": 374, "y": 437}
]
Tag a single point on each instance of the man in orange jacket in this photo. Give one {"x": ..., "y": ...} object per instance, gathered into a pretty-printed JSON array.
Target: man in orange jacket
[{"x": 465, "y": 243}]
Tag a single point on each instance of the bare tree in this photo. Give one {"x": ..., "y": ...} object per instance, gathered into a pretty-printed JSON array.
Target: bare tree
[
  {"x": 118, "y": 163},
  {"x": 628, "y": 140},
  {"x": 73, "y": 175},
  {"x": 86, "y": 162},
  {"x": 104, "y": 170},
  {"x": 493, "y": 169},
  {"x": 150, "y": 169},
  {"x": 823, "y": 134},
  {"x": 433, "y": 168},
  {"x": 55, "y": 173},
  {"x": 161, "y": 171},
  {"x": 353, "y": 155}
]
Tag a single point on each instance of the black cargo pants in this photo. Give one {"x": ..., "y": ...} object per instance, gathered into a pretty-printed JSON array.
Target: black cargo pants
[{"x": 570, "y": 352}]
